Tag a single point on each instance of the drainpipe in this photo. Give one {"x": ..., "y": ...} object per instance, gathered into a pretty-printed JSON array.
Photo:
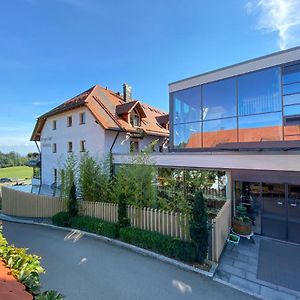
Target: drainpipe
[{"x": 110, "y": 155}]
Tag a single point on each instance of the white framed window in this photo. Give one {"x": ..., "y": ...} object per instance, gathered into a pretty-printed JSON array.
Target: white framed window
[
  {"x": 82, "y": 118},
  {"x": 54, "y": 125},
  {"x": 70, "y": 146},
  {"x": 69, "y": 121},
  {"x": 54, "y": 148},
  {"x": 82, "y": 146},
  {"x": 135, "y": 120}
]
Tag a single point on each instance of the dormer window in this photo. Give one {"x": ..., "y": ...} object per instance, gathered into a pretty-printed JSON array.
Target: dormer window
[{"x": 135, "y": 120}]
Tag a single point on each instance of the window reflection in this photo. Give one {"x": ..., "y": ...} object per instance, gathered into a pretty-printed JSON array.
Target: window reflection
[
  {"x": 263, "y": 127},
  {"x": 219, "y": 131},
  {"x": 291, "y": 74},
  {"x": 292, "y": 88},
  {"x": 292, "y": 110},
  {"x": 187, "y": 105},
  {"x": 187, "y": 135},
  {"x": 259, "y": 92},
  {"x": 219, "y": 99},
  {"x": 291, "y": 99}
]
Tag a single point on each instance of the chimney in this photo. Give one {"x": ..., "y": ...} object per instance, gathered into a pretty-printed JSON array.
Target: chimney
[{"x": 127, "y": 94}]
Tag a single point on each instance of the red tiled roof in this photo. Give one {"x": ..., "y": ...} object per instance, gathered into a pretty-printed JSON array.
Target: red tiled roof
[{"x": 106, "y": 106}]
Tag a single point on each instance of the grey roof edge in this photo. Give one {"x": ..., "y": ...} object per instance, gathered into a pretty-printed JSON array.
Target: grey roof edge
[{"x": 236, "y": 65}]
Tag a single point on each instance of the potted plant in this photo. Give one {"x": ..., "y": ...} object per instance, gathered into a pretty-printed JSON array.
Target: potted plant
[
  {"x": 233, "y": 239},
  {"x": 242, "y": 225}
]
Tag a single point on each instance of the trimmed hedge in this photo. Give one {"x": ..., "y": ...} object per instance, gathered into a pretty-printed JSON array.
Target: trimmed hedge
[
  {"x": 89, "y": 224},
  {"x": 166, "y": 245},
  {"x": 95, "y": 225},
  {"x": 61, "y": 219}
]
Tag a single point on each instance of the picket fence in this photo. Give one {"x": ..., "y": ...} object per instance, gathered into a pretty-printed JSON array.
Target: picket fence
[{"x": 23, "y": 204}]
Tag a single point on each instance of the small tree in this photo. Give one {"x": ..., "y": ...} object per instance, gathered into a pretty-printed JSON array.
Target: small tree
[
  {"x": 199, "y": 228},
  {"x": 72, "y": 203},
  {"x": 68, "y": 175},
  {"x": 123, "y": 220}
]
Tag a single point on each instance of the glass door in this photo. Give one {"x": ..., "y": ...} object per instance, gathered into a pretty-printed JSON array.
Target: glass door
[
  {"x": 293, "y": 213},
  {"x": 247, "y": 194},
  {"x": 274, "y": 211}
]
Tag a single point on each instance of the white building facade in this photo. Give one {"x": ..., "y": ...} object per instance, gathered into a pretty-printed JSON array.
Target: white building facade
[{"x": 96, "y": 130}]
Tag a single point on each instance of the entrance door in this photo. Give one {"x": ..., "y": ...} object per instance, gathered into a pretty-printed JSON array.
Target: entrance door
[
  {"x": 274, "y": 211},
  {"x": 293, "y": 209}
]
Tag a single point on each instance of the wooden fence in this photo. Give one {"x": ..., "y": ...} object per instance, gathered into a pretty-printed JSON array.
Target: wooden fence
[
  {"x": 173, "y": 224},
  {"x": 22, "y": 204},
  {"x": 164, "y": 222},
  {"x": 220, "y": 230},
  {"x": 105, "y": 211}
]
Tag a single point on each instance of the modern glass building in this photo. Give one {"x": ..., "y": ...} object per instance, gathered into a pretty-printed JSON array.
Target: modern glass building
[
  {"x": 245, "y": 119},
  {"x": 248, "y": 105}
]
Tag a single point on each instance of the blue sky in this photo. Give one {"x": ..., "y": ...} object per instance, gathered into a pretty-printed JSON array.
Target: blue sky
[{"x": 51, "y": 50}]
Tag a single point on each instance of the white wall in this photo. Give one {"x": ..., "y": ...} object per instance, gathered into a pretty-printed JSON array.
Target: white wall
[{"x": 91, "y": 132}]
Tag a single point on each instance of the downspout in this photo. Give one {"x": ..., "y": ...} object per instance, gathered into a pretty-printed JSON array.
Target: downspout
[{"x": 110, "y": 155}]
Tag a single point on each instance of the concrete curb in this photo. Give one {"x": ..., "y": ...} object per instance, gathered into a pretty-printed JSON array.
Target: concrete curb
[
  {"x": 133, "y": 248},
  {"x": 238, "y": 288}
]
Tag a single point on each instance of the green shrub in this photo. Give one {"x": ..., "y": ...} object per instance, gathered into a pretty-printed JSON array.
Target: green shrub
[
  {"x": 61, "y": 219},
  {"x": 50, "y": 295},
  {"x": 169, "y": 246},
  {"x": 25, "y": 267},
  {"x": 199, "y": 227},
  {"x": 123, "y": 220},
  {"x": 94, "y": 225}
]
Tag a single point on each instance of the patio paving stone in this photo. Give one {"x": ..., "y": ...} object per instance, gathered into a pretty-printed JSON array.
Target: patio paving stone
[{"x": 238, "y": 266}]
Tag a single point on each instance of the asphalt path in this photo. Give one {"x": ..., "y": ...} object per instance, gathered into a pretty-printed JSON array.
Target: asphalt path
[{"x": 82, "y": 267}]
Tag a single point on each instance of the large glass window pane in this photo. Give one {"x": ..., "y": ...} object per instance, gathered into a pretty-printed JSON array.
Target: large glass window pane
[
  {"x": 219, "y": 131},
  {"x": 187, "y": 105},
  {"x": 257, "y": 128},
  {"x": 291, "y": 99},
  {"x": 292, "y": 88},
  {"x": 291, "y": 74},
  {"x": 259, "y": 92},
  {"x": 219, "y": 99},
  {"x": 292, "y": 133},
  {"x": 187, "y": 135},
  {"x": 292, "y": 110}
]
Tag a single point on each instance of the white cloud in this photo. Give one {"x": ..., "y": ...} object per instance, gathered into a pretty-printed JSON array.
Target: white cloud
[{"x": 280, "y": 16}]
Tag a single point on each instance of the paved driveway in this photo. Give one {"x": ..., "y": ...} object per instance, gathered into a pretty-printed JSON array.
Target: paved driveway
[{"x": 85, "y": 268}]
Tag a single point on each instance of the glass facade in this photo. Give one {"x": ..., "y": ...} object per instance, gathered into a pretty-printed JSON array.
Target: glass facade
[
  {"x": 291, "y": 101},
  {"x": 259, "y": 106}
]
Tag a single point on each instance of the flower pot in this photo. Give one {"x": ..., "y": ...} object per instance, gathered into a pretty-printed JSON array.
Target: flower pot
[
  {"x": 233, "y": 239},
  {"x": 242, "y": 227}
]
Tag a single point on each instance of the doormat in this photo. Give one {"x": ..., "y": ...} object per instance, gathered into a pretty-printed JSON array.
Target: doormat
[{"x": 279, "y": 263}]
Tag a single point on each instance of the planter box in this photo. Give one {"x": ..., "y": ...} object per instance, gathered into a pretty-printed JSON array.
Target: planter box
[
  {"x": 233, "y": 239},
  {"x": 241, "y": 227}
]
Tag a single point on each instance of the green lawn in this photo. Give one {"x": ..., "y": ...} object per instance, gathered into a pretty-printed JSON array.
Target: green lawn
[{"x": 16, "y": 172}]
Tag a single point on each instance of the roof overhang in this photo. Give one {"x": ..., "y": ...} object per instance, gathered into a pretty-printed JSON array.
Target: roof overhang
[
  {"x": 222, "y": 161},
  {"x": 260, "y": 63}
]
